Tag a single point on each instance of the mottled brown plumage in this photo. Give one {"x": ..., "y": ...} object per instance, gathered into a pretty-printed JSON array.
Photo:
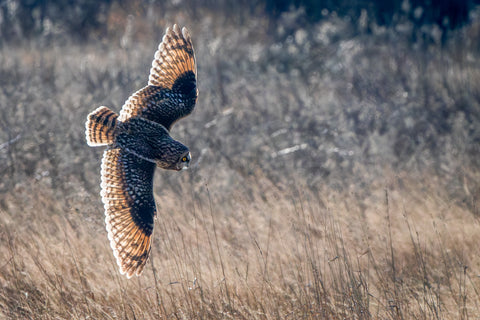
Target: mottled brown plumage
[{"x": 137, "y": 141}]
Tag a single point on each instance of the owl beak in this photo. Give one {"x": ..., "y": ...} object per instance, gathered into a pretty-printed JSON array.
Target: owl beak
[{"x": 183, "y": 166}]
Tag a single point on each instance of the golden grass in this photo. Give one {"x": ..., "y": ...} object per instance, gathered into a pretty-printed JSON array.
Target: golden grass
[{"x": 404, "y": 252}]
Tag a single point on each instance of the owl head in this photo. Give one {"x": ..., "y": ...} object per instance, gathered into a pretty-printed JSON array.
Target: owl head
[{"x": 174, "y": 156}]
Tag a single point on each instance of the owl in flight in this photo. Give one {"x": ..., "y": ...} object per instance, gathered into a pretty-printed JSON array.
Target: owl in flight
[{"x": 137, "y": 140}]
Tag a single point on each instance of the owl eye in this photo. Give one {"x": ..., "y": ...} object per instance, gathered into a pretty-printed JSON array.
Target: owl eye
[{"x": 184, "y": 159}]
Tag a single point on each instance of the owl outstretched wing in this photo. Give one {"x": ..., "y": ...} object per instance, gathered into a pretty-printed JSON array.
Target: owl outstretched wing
[
  {"x": 127, "y": 194},
  {"x": 171, "y": 92}
]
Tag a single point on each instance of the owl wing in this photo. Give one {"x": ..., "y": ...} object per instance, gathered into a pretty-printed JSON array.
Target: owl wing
[
  {"x": 171, "y": 92},
  {"x": 127, "y": 194}
]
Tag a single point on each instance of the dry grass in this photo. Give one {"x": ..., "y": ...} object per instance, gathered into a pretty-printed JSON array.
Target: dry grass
[
  {"x": 335, "y": 176},
  {"x": 407, "y": 254}
]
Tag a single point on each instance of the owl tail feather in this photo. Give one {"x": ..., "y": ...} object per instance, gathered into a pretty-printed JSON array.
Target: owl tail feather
[{"x": 100, "y": 127}]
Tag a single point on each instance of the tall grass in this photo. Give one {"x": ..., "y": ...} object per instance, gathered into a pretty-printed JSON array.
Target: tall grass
[
  {"x": 335, "y": 174},
  {"x": 302, "y": 256}
]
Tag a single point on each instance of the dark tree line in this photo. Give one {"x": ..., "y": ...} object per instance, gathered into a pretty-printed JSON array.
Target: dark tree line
[
  {"x": 30, "y": 18},
  {"x": 445, "y": 13}
]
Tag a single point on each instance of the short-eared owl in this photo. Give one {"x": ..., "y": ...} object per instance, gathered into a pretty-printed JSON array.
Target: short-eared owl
[{"x": 137, "y": 140}]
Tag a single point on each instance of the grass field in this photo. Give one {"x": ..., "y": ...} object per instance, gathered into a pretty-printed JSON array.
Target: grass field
[{"x": 335, "y": 173}]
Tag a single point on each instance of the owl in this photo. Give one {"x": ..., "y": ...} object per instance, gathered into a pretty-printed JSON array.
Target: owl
[{"x": 137, "y": 141}]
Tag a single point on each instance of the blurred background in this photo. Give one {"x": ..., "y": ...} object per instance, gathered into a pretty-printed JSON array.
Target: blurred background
[
  {"x": 329, "y": 92},
  {"x": 332, "y": 102}
]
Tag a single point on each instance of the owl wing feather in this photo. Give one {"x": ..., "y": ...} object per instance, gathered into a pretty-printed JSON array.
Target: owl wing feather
[
  {"x": 127, "y": 194},
  {"x": 171, "y": 92},
  {"x": 174, "y": 57}
]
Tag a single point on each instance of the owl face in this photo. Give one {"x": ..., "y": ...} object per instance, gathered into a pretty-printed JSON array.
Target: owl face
[{"x": 184, "y": 161}]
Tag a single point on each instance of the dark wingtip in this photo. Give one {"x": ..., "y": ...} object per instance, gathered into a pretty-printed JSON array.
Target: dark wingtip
[{"x": 186, "y": 84}]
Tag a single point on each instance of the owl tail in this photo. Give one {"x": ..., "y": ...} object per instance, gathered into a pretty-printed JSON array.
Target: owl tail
[{"x": 100, "y": 127}]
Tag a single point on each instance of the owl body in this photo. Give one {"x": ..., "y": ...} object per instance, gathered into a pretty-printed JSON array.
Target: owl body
[
  {"x": 151, "y": 141},
  {"x": 138, "y": 140}
]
